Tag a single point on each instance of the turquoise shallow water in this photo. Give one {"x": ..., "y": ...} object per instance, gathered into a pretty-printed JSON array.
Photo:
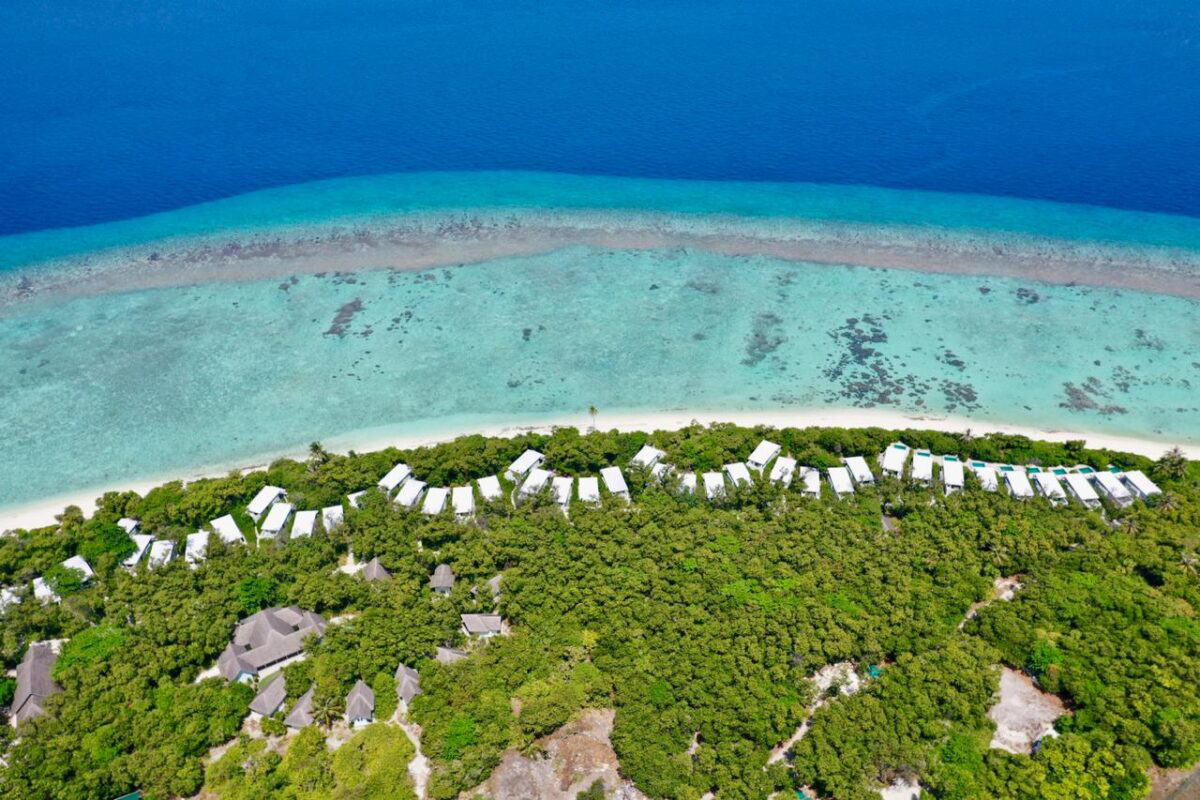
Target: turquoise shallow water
[{"x": 106, "y": 388}]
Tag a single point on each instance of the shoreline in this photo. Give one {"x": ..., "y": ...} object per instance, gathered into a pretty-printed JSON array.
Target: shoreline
[{"x": 40, "y": 513}]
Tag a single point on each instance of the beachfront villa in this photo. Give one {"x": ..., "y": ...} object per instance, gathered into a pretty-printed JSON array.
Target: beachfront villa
[
  {"x": 839, "y": 479},
  {"x": 614, "y": 481},
  {"x": 276, "y": 521},
  {"x": 892, "y": 460},
  {"x": 227, "y": 529},
  {"x": 195, "y": 548},
  {"x": 355, "y": 498},
  {"x": 1111, "y": 486},
  {"x": 782, "y": 471},
  {"x": 811, "y": 479},
  {"x": 130, "y": 526},
  {"x": 647, "y": 457},
  {"x": 489, "y": 488},
  {"x": 34, "y": 684},
  {"x": 762, "y": 455},
  {"x": 519, "y": 468},
  {"x": 410, "y": 492},
  {"x": 435, "y": 500},
  {"x": 589, "y": 490},
  {"x": 1081, "y": 489},
  {"x": 141, "y": 543},
  {"x": 1140, "y": 485},
  {"x": 986, "y": 475},
  {"x": 660, "y": 471},
  {"x": 266, "y": 639},
  {"x": 463, "y": 500},
  {"x": 396, "y": 476},
  {"x": 360, "y": 705},
  {"x": 859, "y": 471},
  {"x": 1016, "y": 481},
  {"x": 687, "y": 483},
  {"x": 561, "y": 488},
  {"x": 263, "y": 500},
  {"x": 481, "y": 626},
  {"x": 332, "y": 516},
  {"x": 161, "y": 552},
  {"x": 739, "y": 475},
  {"x": 442, "y": 580},
  {"x": 303, "y": 524},
  {"x": 953, "y": 479},
  {"x": 922, "y": 466},
  {"x": 535, "y": 481},
  {"x": 714, "y": 485},
  {"x": 1049, "y": 487}
]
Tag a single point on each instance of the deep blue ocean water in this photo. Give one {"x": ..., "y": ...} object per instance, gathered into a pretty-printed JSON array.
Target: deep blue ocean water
[{"x": 113, "y": 109}]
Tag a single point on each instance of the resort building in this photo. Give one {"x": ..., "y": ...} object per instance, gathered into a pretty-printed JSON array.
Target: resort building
[
  {"x": 276, "y": 521},
  {"x": 263, "y": 500},
  {"x": 8, "y": 598},
  {"x": 34, "y": 684},
  {"x": 524, "y": 463},
  {"x": 986, "y": 475},
  {"x": 922, "y": 466},
  {"x": 839, "y": 479},
  {"x": 660, "y": 471},
  {"x": 227, "y": 530},
  {"x": 783, "y": 470},
  {"x": 1111, "y": 485},
  {"x": 859, "y": 471},
  {"x": 396, "y": 476},
  {"x": 647, "y": 457},
  {"x": 463, "y": 500},
  {"x": 561, "y": 488},
  {"x": 78, "y": 564},
  {"x": 195, "y": 548},
  {"x": 410, "y": 493},
  {"x": 1081, "y": 489},
  {"x": 141, "y": 543},
  {"x": 714, "y": 485},
  {"x": 589, "y": 490},
  {"x": 739, "y": 475},
  {"x": 304, "y": 523},
  {"x": 332, "y": 516},
  {"x": 481, "y": 626},
  {"x": 161, "y": 552},
  {"x": 266, "y": 639},
  {"x": 1047, "y": 486},
  {"x": 762, "y": 455},
  {"x": 435, "y": 500},
  {"x": 42, "y": 591},
  {"x": 687, "y": 483},
  {"x": 301, "y": 714},
  {"x": 448, "y": 655},
  {"x": 811, "y": 479},
  {"x": 130, "y": 526},
  {"x": 489, "y": 488},
  {"x": 360, "y": 705},
  {"x": 892, "y": 460},
  {"x": 408, "y": 683},
  {"x": 271, "y": 696},
  {"x": 373, "y": 571},
  {"x": 442, "y": 580},
  {"x": 355, "y": 498},
  {"x": 1140, "y": 485},
  {"x": 614, "y": 481},
  {"x": 953, "y": 478},
  {"x": 1016, "y": 481},
  {"x": 535, "y": 481}
]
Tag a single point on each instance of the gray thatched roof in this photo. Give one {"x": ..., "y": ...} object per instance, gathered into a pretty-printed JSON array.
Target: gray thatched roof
[
  {"x": 360, "y": 703},
  {"x": 374, "y": 571},
  {"x": 408, "y": 682},
  {"x": 266, "y": 638},
  {"x": 448, "y": 655},
  {"x": 270, "y": 697},
  {"x": 443, "y": 577},
  {"x": 34, "y": 683},
  {"x": 480, "y": 624},
  {"x": 301, "y": 713}
]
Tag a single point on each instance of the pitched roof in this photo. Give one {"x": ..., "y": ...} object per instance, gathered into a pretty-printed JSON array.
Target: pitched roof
[
  {"x": 480, "y": 623},
  {"x": 443, "y": 577},
  {"x": 270, "y": 697},
  {"x": 408, "y": 682},
  {"x": 301, "y": 713},
  {"x": 360, "y": 703},
  {"x": 374, "y": 571},
  {"x": 448, "y": 655},
  {"x": 267, "y": 637},
  {"x": 34, "y": 683}
]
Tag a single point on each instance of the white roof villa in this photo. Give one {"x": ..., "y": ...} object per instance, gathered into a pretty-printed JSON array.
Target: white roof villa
[
  {"x": 266, "y": 638},
  {"x": 687, "y": 483},
  {"x": 228, "y": 530},
  {"x": 859, "y": 471},
  {"x": 812, "y": 481},
  {"x": 161, "y": 552},
  {"x": 1111, "y": 485},
  {"x": 614, "y": 481},
  {"x": 589, "y": 489},
  {"x": 42, "y": 590},
  {"x": 535, "y": 481},
  {"x": 714, "y": 484},
  {"x": 839, "y": 479},
  {"x": 1081, "y": 489},
  {"x": 1141, "y": 486},
  {"x": 396, "y": 476},
  {"x": 762, "y": 455},
  {"x": 481, "y": 625},
  {"x": 647, "y": 457},
  {"x": 893, "y": 458},
  {"x": 1016, "y": 481},
  {"x": 354, "y": 497},
  {"x": 304, "y": 523},
  {"x": 130, "y": 526},
  {"x": 435, "y": 500},
  {"x": 463, "y": 500},
  {"x": 276, "y": 520},
  {"x": 410, "y": 493},
  {"x": 952, "y": 474},
  {"x": 660, "y": 470},
  {"x": 561, "y": 488},
  {"x": 141, "y": 543},
  {"x": 782, "y": 471},
  {"x": 922, "y": 466},
  {"x": 986, "y": 474},
  {"x": 489, "y": 488},
  {"x": 78, "y": 563},
  {"x": 263, "y": 500},
  {"x": 525, "y": 462},
  {"x": 8, "y": 597},
  {"x": 739, "y": 475},
  {"x": 332, "y": 516},
  {"x": 1048, "y": 486},
  {"x": 195, "y": 548}
]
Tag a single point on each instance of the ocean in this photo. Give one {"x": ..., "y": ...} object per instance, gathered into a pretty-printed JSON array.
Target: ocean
[{"x": 169, "y": 176}]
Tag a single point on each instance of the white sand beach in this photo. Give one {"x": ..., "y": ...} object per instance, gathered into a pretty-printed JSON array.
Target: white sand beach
[{"x": 43, "y": 512}]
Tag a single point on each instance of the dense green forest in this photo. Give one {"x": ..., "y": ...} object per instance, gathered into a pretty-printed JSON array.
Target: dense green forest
[{"x": 692, "y": 619}]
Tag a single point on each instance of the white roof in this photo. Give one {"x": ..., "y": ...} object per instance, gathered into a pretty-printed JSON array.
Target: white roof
[
  {"x": 525, "y": 462},
  {"x": 1048, "y": 484},
  {"x": 195, "y": 547},
  {"x": 141, "y": 541},
  {"x": 277, "y": 518},
  {"x": 648, "y": 456},
  {"x": 660, "y": 470},
  {"x": 435, "y": 500},
  {"x": 410, "y": 492},
  {"x": 332, "y": 516},
  {"x": 1112, "y": 485},
  {"x": 396, "y": 476},
  {"x": 264, "y": 498},
  {"x": 536, "y": 481},
  {"x": 128, "y": 525},
  {"x": 354, "y": 497},
  {"x": 839, "y": 479},
  {"x": 489, "y": 487},
  {"x": 1143, "y": 485},
  {"x": 987, "y": 476},
  {"x": 561, "y": 487},
  {"x": 894, "y": 458},
  {"x": 812, "y": 480},
  {"x": 8, "y": 597},
  {"x": 922, "y": 466},
  {"x": 952, "y": 471},
  {"x": 42, "y": 590},
  {"x": 303, "y": 523},
  {"x": 714, "y": 484},
  {"x": 739, "y": 474},
  {"x": 687, "y": 482},
  {"x": 859, "y": 469},
  {"x": 614, "y": 481},
  {"x": 1081, "y": 487},
  {"x": 763, "y": 453},
  {"x": 161, "y": 552},
  {"x": 227, "y": 529},
  {"x": 77, "y": 562},
  {"x": 463, "y": 500},
  {"x": 589, "y": 489},
  {"x": 1018, "y": 483},
  {"x": 782, "y": 471}
]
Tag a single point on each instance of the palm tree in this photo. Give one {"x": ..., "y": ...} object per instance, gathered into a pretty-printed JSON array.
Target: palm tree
[
  {"x": 593, "y": 411},
  {"x": 1173, "y": 464},
  {"x": 326, "y": 706},
  {"x": 317, "y": 455}
]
